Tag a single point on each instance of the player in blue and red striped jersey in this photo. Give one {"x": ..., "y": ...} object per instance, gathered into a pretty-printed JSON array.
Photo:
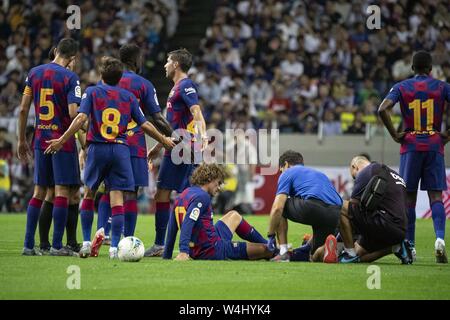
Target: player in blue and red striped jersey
[
  {"x": 56, "y": 93},
  {"x": 422, "y": 101},
  {"x": 145, "y": 93},
  {"x": 184, "y": 114},
  {"x": 110, "y": 109},
  {"x": 200, "y": 238},
  {"x": 45, "y": 216}
]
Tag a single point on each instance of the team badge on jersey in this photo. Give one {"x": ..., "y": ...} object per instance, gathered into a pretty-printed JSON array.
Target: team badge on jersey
[{"x": 195, "y": 213}]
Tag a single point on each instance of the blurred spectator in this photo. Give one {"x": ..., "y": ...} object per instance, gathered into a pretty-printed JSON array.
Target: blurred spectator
[
  {"x": 6, "y": 149},
  {"x": 358, "y": 126},
  {"x": 402, "y": 68},
  {"x": 224, "y": 202},
  {"x": 5, "y": 184},
  {"x": 331, "y": 125},
  {"x": 28, "y": 31},
  {"x": 260, "y": 94}
]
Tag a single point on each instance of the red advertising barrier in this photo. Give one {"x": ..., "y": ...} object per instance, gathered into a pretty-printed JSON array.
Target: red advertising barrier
[{"x": 265, "y": 188}]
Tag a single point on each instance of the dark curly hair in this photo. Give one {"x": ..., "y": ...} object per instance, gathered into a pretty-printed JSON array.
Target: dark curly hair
[
  {"x": 291, "y": 157},
  {"x": 206, "y": 173}
]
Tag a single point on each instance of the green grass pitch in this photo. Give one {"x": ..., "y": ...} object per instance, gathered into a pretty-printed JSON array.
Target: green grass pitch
[{"x": 153, "y": 278}]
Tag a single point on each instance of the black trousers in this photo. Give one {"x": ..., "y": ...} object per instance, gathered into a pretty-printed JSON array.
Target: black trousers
[
  {"x": 322, "y": 217},
  {"x": 378, "y": 230}
]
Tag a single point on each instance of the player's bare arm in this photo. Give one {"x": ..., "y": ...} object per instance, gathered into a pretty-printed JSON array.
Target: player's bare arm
[
  {"x": 161, "y": 124},
  {"x": 446, "y": 134},
  {"x": 150, "y": 129},
  {"x": 200, "y": 124},
  {"x": 81, "y": 134},
  {"x": 56, "y": 144},
  {"x": 384, "y": 113},
  {"x": 276, "y": 213},
  {"x": 23, "y": 149},
  {"x": 82, "y": 154}
]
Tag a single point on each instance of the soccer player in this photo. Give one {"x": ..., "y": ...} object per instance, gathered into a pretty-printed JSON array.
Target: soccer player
[
  {"x": 45, "y": 216},
  {"x": 200, "y": 238},
  {"x": 145, "y": 93},
  {"x": 110, "y": 109},
  {"x": 183, "y": 112},
  {"x": 382, "y": 229},
  {"x": 422, "y": 102},
  {"x": 56, "y": 93},
  {"x": 305, "y": 195}
]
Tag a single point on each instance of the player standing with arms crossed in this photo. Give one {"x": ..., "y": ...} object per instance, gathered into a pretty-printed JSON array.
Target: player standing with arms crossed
[
  {"x": 56, "y": 93},
  {"x": 422, "y": 102},
  {"x": 183, "y": 112},
  {"x": 110, "y": 109}
]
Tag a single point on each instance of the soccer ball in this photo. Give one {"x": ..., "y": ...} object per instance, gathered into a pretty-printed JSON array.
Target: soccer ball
[{"x": 130, "y": 249}]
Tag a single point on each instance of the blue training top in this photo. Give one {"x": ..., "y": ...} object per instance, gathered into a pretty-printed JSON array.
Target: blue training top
[{"x": 307, "y": 183}]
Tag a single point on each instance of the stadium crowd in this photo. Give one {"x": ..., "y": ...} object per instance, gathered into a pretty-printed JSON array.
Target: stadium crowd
[
  {"x": 262, "y": 63},
  {"x": 29, "y": 30},
  {"x": 300, "y": 62}
]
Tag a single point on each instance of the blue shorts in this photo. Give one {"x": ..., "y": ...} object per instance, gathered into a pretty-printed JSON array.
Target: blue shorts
[
  {"x": 140, "y": 171},
  {"x": 61, "y": 168},
  {"x": 109, "y": 162},
  {"x": 428, "y": 167},
  {"x": 227, "y": 249},
  {"x": 174, "y": 176}
]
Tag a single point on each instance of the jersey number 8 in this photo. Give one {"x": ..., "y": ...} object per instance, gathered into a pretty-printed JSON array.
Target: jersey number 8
[{"x": 110, "y": 123}]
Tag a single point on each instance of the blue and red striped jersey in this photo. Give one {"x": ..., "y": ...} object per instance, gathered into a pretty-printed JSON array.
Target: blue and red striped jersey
[
  {"x": 53, "y": 88},
  {"x": 192, "y": 214},
  {"x": 181, "y": 98},
  {"x": 145, "y": 93},
  {"x": 422, "y": 103},
  {"x": 110, "y": 109}
]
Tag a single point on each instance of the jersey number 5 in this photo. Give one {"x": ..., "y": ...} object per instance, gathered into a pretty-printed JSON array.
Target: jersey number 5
[
  {"x": 417, "y": 106},
  {"x": 110, "y": 123},
  {"x": 43, "y": 102}
]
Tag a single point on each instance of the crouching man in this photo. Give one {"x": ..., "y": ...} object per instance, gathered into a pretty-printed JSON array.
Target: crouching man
[{"x": 376, "y": 212}]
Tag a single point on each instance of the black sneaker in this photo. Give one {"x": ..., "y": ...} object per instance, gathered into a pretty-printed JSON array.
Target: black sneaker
[
  {"x": 75, "y": 247},
  {"x": 45, "y": 251},
  {"x": 405, "y": 253},
  {"x": 63, "y": 252}
]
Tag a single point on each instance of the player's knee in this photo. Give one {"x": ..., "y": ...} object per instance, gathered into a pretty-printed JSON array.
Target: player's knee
[
  {"x": 234, "y": 215},
  {"x": 50, "y": 195},
  {"x": 435, "y": 196},
  {"x": 88, "y": 194},
  {"x": 162, "y": 195},
  {"x": 74, "y": 198},
  {"x": 130, "y": 196},
  {"x": 62, "y": 191},
  {"x": 40, "y": 192}
]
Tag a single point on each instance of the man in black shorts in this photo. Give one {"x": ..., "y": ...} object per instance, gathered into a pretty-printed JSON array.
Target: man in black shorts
[
  {"x": 305, "y": 195},
  {"x": 380, "y": 224}
]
